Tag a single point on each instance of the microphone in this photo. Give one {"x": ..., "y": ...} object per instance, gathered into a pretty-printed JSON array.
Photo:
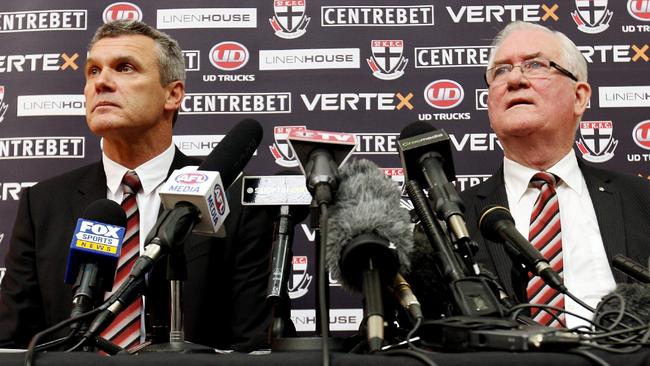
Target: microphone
[
  {"x": 426, "y": 157},
  {"x": 228, "y": 158},
  {"x": 404, "y": 294},
  {"x": 320, "y": 153},
  {"x": 197, "y": 199},
  {"x": 631, "y": 268},
  {"x": 369, "y": 238},
  {"x": 94, "y": 253},
  {"x": 496, "y": 224}
]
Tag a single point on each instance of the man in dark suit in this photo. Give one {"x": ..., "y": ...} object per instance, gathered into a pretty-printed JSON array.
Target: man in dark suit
[
  {"x": 538, "y": 92},
  {"x": 134, "y": 86}
]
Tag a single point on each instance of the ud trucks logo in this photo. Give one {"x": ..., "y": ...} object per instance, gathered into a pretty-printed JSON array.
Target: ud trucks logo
[
  {"x": 229, "y": 56},
  {"x": 122, "y": 11}
]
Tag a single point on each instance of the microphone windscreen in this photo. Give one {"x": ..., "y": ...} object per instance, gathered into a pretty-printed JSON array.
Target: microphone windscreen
[
  {"x": 105, "y": 211},
  {"x": 367, "y": 202},
  {"x": 637, "y": 302},
  {"x": 234, "y": 151}
]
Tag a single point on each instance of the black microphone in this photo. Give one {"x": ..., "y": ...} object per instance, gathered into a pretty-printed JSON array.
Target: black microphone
[
  {"x": 369, "y": 238},
  {"x": 172, "y": 227},
  {"x": 426, "y": 157},
  {"x": 228, "y": 158},
  {"x": 320, "y": 153},
  {"x": 496, "y": 224},
  {"x": 631, "y": 268},
  {"x": 94, "y": 253}
]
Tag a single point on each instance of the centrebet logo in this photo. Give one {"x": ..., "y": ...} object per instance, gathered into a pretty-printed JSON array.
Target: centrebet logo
[
  {"x": 641, "y": 134},
  {"x": 121, "y": 11},
  {"x": 290, "y": 20},
  {"x": 3, "y": 105},
  {"x": 444, "y": 94},
  {"x": 639, "y": 9},
  {"x": 596, "y": 142},
  {"x": 387, "y": 61},
  {"x": 592, "y": 16},
  {"x": 229, "y": 56}
]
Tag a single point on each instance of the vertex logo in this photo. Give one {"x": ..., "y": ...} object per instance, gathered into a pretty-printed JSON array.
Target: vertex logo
[
  {"x": 38, "y": 62},
  {"x": 358, "y": 101},
  {"x": 503, "y": 13},
  {"x": 616, "y": 53}
]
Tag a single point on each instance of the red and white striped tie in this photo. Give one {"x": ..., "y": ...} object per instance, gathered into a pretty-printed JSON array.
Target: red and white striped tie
[
  {"x": 125, "y": 328},
  {"x": 545, "y": 234}
]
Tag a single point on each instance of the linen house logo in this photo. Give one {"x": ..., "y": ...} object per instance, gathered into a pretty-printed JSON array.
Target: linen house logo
[{"x": 289, "y": 20}]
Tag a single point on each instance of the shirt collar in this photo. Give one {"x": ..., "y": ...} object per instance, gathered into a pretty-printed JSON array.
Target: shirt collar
[
  {"x": 517, "y": 176},
  {"x": 152, "y": 173}
]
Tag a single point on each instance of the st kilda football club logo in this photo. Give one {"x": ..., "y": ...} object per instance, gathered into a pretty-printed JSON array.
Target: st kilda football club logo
[
  {"x": 592, "y": 16},
  {"x": 387, "y": 61},
  {"x": 299, "y": 280},
  {"x": 596, "y": 142},
  {"x": 280, "y": 149},
  {"x": 3, "y": 105},
  {"x": 289, "y": 20}
]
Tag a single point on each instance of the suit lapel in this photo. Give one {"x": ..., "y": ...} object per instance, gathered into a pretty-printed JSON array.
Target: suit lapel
[{"x": 91, "y": 187}]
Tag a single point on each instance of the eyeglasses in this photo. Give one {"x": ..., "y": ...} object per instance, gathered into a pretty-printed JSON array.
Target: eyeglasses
[{"x": 533, "y": 68}]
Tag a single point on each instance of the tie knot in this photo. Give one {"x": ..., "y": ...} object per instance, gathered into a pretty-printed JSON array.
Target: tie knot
[
  {"x": 542, "y": 178},
  {"x": 131, "y": 182}
]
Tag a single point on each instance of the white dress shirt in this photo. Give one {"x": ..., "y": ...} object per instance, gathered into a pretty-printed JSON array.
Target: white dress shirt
[
  {"x": 152, "y": 175},
  {"x": 587, "y": 273}
]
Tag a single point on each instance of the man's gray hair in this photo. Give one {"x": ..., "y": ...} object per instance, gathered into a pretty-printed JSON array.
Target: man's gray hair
[
  {"x": 170, "y": 57},
  {"x": 572, "y": 58}
]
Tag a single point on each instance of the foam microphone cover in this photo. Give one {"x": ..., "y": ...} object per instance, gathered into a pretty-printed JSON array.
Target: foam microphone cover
[
  {"x": 637, "y": 301},
  {"x": 366, "y": 202}
]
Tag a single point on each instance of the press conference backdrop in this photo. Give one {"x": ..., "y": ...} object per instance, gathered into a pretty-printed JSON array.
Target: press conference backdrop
[{"x": 367, "y": 67}]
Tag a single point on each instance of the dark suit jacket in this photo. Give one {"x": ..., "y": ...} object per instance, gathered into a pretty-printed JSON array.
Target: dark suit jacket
[
  {"x": 224, "y": 296},
  {"x": 621, "y": 203}
]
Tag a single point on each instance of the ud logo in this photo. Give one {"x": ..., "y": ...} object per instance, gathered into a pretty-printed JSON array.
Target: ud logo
[
  {"x": 387, "y": 61},
  {"x": 595, "y": 142},
  {"x": 592, "y": 16},
  {"x": 3, "y": 105},
  {"x": 300, "y": 279},
  {"x": 280, "y": 149},
  {"x": 289, "y": 20}
]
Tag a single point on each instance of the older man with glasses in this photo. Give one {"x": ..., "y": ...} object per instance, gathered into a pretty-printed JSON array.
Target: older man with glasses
[{"x": 576, "y": 215}]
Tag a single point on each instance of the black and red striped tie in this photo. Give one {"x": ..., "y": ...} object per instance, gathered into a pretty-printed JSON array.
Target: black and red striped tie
[
  {"x": 125, "y": 328},
  {"x": 545, "y": 234}
]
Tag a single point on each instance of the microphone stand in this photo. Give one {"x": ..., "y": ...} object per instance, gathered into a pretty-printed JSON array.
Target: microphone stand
[
  {"x": 176, "y": 273},
  {"x": 173, "y": 240},
  {"x": 321, "y": 298}
]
